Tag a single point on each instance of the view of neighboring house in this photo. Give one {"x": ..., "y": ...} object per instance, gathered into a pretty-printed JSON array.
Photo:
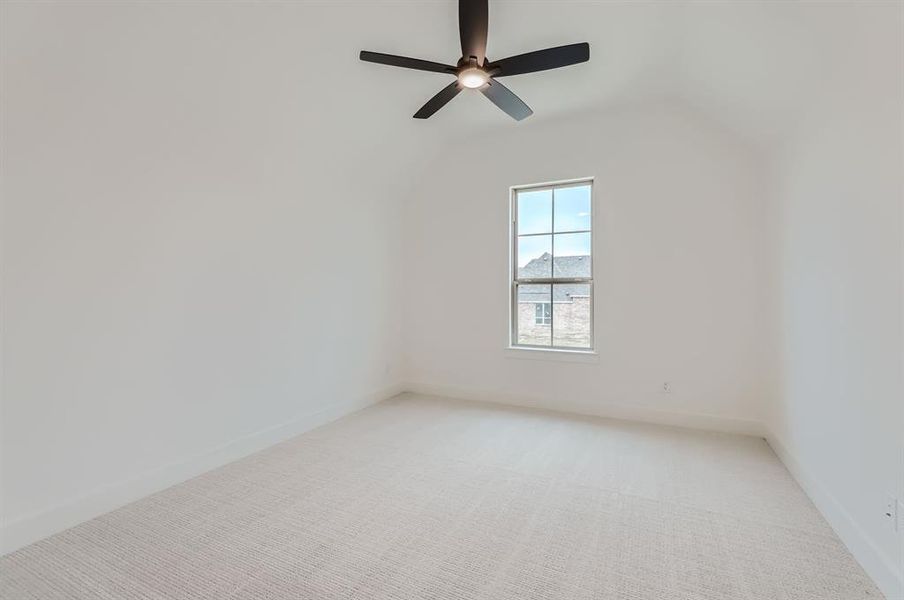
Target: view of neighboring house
[{"x": 554, "y": 314}]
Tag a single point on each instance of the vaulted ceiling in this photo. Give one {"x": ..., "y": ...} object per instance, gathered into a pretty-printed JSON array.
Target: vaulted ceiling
[
  {"x": 291, "y": 69},
  {"x": 754, "y": 66}
]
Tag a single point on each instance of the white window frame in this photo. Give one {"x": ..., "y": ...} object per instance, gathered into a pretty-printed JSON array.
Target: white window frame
[{"x": 515, "y": 281}]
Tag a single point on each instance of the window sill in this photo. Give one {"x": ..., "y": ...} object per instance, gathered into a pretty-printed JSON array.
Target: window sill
[{"x": 555, "y": 354}]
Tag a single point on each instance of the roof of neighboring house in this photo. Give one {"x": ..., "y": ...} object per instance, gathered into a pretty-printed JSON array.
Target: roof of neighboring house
[{"x": 562, "y": 266}]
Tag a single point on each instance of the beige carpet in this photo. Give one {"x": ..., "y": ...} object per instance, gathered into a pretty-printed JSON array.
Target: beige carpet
[{"x": 426, "y": 498}]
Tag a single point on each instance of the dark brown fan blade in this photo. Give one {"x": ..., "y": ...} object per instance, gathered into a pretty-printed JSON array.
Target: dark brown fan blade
[
  {"x": 506, "y": 99},
  {"x": 438, "y": 101},
  {"x": 403, "y": 61},
  {"x": 473, "y": 21},
  {"x": 542, "y": 60}
]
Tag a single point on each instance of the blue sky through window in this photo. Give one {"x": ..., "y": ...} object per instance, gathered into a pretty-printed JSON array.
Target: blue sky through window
[
  {"x": 532, "y": 247},
  {"x": 573, "y": 208},
  {"x": 535, "y": 211},
  {"x": 572, "y": 244}
]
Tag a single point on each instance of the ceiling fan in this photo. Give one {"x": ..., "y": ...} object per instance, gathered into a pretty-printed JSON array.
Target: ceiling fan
[{"x": 473, "y": 71}]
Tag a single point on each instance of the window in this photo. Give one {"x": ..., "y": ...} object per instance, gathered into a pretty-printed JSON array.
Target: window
[
  {"x": 543, "y": 313},
  {"x": 552, "y": 270}
]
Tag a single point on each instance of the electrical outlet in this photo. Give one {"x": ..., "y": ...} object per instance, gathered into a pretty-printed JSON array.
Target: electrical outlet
[
  {"x": 891, "y": 511},
  {"x": 667, "y": 388}
]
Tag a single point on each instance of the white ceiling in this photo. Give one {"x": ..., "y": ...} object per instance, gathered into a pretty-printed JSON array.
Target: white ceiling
[
  {"x": 293, "y": 67},
  {"x": 754, "y": 66}
]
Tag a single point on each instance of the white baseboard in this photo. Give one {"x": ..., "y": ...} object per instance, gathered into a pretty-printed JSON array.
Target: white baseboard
[
  {"x": 879, "y": 567},
  {"x": 608, "y": 410},
  {"x": 41, "y": 524}
]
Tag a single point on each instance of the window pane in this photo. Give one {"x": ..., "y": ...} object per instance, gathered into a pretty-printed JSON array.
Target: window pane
[
  {"x": 543, "y": 313},
  {"x": 571, "y": 315},
  {"x": 534, "y": 256},
  {"x": 572, "y": 255},
  {"x": 535, "y": 212},
  {"x": 534, "y": 300},
  {"x": 573, "y": 208}
]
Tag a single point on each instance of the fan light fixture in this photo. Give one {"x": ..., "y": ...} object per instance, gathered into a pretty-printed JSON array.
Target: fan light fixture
[
  {"x": 474, "y": 71},
  {"x": 473, "y": 78}
]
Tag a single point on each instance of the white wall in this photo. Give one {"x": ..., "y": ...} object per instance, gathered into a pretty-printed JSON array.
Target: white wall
[
  {"x": 185, "y": 254},
  {"x": 838, "y": 415},
  {"x": 679, "y": 239}
]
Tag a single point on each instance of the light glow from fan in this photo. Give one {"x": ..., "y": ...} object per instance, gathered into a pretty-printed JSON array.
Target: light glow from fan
[{"x": 473, "y": 78}]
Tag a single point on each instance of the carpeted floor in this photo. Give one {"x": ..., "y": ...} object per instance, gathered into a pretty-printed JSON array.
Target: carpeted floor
[{"x": 427, "y": 498}]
